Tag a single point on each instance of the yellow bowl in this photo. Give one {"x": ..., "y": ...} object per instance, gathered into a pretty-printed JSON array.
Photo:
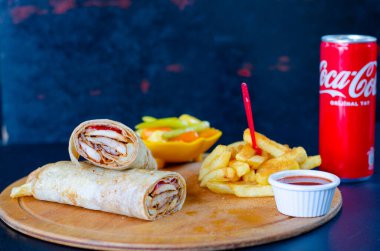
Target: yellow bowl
[{"x": 178, "y": 151}]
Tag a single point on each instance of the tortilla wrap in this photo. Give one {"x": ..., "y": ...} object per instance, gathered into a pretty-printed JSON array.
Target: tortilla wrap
[
  {"x": 138, "y": 193},
  {"x": 111, "y": 145}
]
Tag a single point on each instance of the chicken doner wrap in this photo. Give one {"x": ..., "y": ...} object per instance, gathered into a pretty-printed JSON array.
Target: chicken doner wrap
[
  {"x": 109, "y": 144},
  {"x": 138, "y": 193}
]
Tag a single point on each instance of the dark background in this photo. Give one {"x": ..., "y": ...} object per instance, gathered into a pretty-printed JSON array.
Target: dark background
[{"x": 66, "y": 61}]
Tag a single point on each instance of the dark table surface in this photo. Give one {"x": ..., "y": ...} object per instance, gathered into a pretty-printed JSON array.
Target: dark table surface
[{"x": 356, "y": 227}]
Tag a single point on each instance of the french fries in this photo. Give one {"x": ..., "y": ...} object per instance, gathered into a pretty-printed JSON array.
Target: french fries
[
  {"x": 235, "y": 148},
  {"x": 220, "y": 187},
  {"x": 311, "y": 162},
  {"x": 298, "y": 154},
  {"x": 218, "y": 158},
  {"x": 240, "y": 189},
  {"x": 222, "y": 174},
  {"x": 250, "y": 177},
  {"x": 272, "y": 166},
  {"x": 241, "y": 168},
  {"x": 270, "y": 146},
  {"x": 245, "y": 153},
  {"x": 255, "y": 161},
  {"x": 237, "y": 169},
  {"x": 249, "y": 190}
]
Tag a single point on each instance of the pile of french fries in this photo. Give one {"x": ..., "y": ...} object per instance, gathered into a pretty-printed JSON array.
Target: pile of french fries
[{"x": 237, "y": 169}]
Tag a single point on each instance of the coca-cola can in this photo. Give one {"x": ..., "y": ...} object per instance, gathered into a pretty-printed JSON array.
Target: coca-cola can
[{"x": 347, "y": 100}]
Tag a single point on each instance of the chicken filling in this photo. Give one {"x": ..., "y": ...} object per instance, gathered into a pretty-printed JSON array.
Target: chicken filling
[
  {"x": 165, "y": 197},
  {"x": 105, "y": 145}
]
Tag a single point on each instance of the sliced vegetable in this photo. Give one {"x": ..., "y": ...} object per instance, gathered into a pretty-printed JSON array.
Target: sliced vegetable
[
  {"x": 185, "y": 128},
  {"x": 148, "y": 119},
  {"x": 156, "y": 136},
  {"x": 208, "y": 132},
  {"x": 147, "y": 132},
  {"x": 186, "y": 137},
  {"x": 190, "y": 120},
  {"x": 196, "y": 127},
  {"x": 165, "y": 122}
]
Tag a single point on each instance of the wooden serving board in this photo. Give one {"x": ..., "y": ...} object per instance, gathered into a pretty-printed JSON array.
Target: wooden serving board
[{"x": 207, "y": 221}]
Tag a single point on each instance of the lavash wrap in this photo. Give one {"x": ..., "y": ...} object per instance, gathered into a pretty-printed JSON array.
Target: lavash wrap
[
  {"x": 120, "y": 192},
  {"x": 140, "y": 158}
]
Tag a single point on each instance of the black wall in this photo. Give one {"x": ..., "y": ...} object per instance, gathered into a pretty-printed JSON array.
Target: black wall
[{"x": 66, "y": 61}]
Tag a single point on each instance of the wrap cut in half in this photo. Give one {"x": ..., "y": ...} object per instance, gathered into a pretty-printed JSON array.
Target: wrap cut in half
[
  {"x": 138, "y": 193},
  {"x": 111, "y": 145}
]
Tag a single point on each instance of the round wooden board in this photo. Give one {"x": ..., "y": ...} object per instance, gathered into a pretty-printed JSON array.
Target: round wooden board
[{"x": 207, "y": 221}]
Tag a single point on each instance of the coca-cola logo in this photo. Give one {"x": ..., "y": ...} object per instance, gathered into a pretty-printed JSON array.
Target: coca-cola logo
[{"x": 361, "y": 83}]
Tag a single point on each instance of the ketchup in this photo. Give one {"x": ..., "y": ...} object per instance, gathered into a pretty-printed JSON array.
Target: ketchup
[
  {"x": 103, "y": 127},
  {"x": 305, "y": 180}
]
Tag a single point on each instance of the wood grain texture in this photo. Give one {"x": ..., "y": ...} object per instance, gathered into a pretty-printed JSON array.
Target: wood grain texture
[{"x": 207, "y": 221}]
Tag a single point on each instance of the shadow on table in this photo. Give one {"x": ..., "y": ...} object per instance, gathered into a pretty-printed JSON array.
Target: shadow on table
[
  {"x": 317, "y": 239},
  {"x": 10, "y": 237}
]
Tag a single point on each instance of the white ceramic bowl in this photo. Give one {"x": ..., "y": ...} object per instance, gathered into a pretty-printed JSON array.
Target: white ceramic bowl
[{"x": 303, "y": 200}]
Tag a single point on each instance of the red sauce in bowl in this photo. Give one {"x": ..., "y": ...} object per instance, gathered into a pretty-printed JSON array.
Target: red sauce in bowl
[{"x": 305, "y": 180}]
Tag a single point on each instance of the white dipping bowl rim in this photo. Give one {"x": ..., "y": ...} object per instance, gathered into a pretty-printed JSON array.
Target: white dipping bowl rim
[{"x": 273, "y": 180}]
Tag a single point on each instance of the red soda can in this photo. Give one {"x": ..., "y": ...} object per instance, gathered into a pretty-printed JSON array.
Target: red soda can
[{"x": 347, "y": 100}]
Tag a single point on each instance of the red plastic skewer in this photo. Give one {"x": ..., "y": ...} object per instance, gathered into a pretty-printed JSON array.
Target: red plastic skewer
[{"x": 248, "y": 112}]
